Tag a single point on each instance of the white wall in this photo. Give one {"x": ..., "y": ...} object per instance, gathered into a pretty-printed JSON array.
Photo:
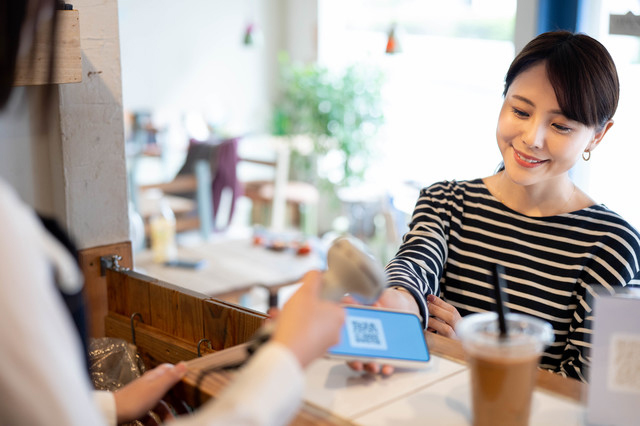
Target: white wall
[{"x": 191, "y": 58}]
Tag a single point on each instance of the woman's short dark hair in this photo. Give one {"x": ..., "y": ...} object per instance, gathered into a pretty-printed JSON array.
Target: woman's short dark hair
[{"x": 580, "y": 70}]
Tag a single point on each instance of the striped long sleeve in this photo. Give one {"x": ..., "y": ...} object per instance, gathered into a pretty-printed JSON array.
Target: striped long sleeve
[{"x": 554, "y": 265}]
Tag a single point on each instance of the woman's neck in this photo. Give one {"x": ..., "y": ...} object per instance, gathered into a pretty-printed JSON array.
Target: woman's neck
[{"x": 548, "y": 198}]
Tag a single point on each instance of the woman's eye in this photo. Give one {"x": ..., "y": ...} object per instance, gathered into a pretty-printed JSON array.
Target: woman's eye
[
  {"x": 520, "y": 113},
  {"x": 561, "y": 128}
]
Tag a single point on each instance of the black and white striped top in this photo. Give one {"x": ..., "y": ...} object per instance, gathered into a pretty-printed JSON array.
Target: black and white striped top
[{"x": 553, "y": 265}]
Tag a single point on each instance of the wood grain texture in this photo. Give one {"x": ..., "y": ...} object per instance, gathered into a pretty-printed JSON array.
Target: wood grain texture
[
  {"x": 32, "y": 68},
  {"x": 173, "y": 319},
  {"x": 176, "y": 312},
  {"x": 153, "y": 346},
  {"x": 226, "y": 324},
  {"x": 128, "y": 294},
  {"x": 95, "y": 288}
]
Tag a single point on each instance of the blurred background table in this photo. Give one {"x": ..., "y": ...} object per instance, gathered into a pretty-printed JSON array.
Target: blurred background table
[{"x": 233, "y": 267}]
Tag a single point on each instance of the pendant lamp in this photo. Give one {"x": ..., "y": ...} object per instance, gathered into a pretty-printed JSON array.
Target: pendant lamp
[
  {"x": 392, "y": 42},
  {"x": 249, "y": 35}
]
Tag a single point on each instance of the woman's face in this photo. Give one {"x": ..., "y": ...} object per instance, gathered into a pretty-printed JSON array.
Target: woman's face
[{"x": 538, "y": 143}]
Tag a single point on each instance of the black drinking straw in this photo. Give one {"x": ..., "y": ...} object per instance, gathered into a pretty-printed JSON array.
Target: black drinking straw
[{"x": 498, "y": 287}]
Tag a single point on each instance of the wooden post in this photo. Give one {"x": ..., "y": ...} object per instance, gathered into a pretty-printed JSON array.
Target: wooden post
[{"x": 96, "y": 284}]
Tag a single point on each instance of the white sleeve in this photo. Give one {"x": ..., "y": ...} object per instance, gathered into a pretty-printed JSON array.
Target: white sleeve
[
  {"x": 106, "y": 403},
  {"x": 43, "y": 379},
  {"x": 267, "y": 391}
]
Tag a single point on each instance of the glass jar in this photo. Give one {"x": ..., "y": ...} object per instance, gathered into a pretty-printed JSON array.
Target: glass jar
[{"x": 162, "y": 229}]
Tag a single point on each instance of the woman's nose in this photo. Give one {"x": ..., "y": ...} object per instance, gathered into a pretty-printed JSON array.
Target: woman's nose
[{"x": 534, "y": 135}]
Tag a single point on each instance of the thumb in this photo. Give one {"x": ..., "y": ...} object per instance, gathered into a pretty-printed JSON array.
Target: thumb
[
  {"x": 312, "y": 282},
  {"x": 166, "y": 375}
]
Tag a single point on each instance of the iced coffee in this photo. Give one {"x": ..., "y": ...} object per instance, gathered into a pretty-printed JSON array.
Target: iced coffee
[{"x": 503, "y": 368}]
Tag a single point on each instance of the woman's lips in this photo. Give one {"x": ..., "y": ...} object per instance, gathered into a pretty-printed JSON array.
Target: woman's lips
[{"x": 526, "y": 160}]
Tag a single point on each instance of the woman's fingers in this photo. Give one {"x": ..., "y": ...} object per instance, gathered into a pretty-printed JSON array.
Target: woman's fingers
[
  {"x": 442, "y": 316},
  {"x": 356, "y": 365},
  {"x": 440, "y": 327},
  {"x": 371, "y": 367}
]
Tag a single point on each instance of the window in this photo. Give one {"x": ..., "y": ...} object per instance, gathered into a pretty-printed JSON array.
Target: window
[
  {"x": 613, "y": 167},
  {"x": 443, "y": 92}
]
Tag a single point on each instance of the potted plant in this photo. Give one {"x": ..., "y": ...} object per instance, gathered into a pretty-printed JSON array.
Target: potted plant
[{"x": 337, "y": 114}]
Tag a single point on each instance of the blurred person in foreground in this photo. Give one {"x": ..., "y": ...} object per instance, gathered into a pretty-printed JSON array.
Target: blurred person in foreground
[{"x": 45, "y": 379}]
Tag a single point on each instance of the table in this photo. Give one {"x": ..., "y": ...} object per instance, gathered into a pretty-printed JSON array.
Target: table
[
  {"x": 233, "y": 266},
  {"x": 440, "y": 394}
]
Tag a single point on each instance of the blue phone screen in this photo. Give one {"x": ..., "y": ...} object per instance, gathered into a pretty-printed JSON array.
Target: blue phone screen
[{"x": 381, "y": 334}]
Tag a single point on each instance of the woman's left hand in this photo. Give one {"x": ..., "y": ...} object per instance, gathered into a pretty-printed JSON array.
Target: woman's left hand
[
  {"x": 442, "y": 317},
  {"x": 141, "y": 395}
]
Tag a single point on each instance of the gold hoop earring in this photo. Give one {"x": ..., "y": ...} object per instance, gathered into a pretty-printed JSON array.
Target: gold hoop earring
[{"x": 586, "y": 157}]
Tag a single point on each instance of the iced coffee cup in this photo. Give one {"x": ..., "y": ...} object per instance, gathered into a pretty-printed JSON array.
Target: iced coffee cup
[{"x": 503, "y": 369}]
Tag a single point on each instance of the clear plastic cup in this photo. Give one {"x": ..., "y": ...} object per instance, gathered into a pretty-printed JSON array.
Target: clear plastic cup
[{"x": 503, "y": 370}]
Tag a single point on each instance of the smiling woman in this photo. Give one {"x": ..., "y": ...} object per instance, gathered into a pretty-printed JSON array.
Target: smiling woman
[
  {"x": 558, "y": 246},
  {"x": 539, "y": 145}
]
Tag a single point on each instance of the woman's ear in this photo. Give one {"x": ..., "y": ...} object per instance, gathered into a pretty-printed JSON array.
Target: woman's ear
[{"x": 597, "y": 137}]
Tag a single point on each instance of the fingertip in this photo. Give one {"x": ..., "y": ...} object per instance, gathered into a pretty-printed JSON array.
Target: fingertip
[
  {"x": 372, "y": 368},
  {"x": 312, "y": 276},
  {"x": 387, "y": 370},
  {"x": 273, "y": 312},
  {"x": 355, "y": 365},
  {"x": 312, "y": 280},
  {"x": 348, "y": 300}
]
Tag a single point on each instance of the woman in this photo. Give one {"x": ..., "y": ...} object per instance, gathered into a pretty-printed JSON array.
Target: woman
[
  {"x": 557, "y": 244},
  {"x": 44, "y": 379}
]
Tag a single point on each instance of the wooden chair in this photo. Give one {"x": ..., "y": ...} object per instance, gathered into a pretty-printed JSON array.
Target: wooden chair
[
  {"x": 194, "y": 193},
  {"x": 280, "y": 201}
]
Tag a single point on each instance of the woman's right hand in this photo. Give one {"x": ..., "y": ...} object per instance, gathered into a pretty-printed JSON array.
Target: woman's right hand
[{"x": 391, "y": 298}]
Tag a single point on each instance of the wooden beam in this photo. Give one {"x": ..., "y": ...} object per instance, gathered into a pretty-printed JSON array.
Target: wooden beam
[
  {"x": 32, "y": 68},
  {"x": 96, "y": 284}
]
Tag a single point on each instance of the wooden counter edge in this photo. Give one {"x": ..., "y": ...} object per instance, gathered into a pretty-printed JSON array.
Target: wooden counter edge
[
  {"x": 197, "y": 387},
  {"x": 548, "y": 381}
]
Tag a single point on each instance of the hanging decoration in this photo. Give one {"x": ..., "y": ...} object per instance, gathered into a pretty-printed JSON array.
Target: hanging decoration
[
  {"x": 392, "y": 41},
  {"x": 252, "y": 36}
]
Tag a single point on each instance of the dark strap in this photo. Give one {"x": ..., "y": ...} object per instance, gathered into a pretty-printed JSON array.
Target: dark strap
[{"x": 75, "y": 303}]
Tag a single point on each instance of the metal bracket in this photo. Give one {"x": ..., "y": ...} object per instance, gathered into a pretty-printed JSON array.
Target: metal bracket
[
  {"x": 111, "y": 262},
  {"x": 207, "y": 341}
]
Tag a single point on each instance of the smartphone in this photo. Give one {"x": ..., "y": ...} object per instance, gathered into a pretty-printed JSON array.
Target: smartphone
[
  {"x": 187, "y": 264},
  {"x": 382, "y": 335}
]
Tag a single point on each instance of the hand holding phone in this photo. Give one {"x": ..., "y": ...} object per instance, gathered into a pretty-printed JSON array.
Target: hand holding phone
[{"x": 382, "y": 335}]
